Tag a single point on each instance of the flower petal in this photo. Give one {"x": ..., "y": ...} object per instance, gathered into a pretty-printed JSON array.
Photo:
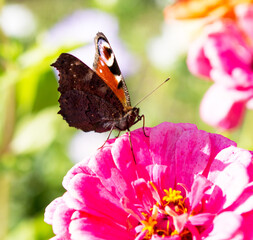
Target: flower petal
[
  {"x": 193, "y": 150},
  {"x": 232, "y": 181},
  {"x": 228, "y": 156},
  {"x": 104, "y": 167},
  {"x": 161, "y": 176},
  {"x": 197, "y": 61},
  {"x": 225, "y": 227},
  {"x": 91, "y": 193},
  {"x": 93, "y": 228},
  {"x": 61, "y": 219},
  {"x": 223, "y": 108},
  {"x": 50, "y": 210},
  {"x": 199, "y": 187},
  {"x": 143, "y": 193},
  {"x": 245, "y": 18},
  {"x": 247, "y": 225},
  {"x": 202, "y": 219},
  {"x": 245, "y": 202}
]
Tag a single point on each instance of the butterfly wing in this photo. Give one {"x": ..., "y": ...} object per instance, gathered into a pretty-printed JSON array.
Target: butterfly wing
[
  {"x": 106, "y": 66},
  {"x": 86, "y": 101}
]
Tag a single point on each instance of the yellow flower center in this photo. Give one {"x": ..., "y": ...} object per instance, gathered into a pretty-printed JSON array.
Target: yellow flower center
[
  {"x": 160, "y": 219},
  {"x": 172, "y": 196}
]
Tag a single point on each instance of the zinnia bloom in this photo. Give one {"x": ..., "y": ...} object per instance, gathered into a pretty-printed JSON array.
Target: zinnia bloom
[
  {"x": 224, "y": 54},
  {"x": 182, "y": 183},
  {"x": 192, "y": 9}
]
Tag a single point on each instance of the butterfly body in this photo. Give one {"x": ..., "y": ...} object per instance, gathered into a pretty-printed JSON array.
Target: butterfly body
[{"x": 95, "y": 100}]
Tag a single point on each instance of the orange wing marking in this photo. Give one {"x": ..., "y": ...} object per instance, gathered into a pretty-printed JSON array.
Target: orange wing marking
[{"x": 108, "y": 77}]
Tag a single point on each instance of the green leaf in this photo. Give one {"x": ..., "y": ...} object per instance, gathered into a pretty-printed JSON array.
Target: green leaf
[{"x": 35, "y": 132}]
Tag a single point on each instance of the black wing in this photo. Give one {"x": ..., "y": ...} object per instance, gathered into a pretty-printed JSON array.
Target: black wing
[{"x": 86, "y": 102}]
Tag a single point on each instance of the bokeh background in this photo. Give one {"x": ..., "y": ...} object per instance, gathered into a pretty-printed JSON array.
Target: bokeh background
[{"x": 37, "y": 147}]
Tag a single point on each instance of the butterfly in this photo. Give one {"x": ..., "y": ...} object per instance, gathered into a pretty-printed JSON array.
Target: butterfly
[{"x": 95, "y": 100}]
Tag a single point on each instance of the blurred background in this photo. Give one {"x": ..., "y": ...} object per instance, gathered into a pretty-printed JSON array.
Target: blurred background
[{"x": 37, "y": 147}]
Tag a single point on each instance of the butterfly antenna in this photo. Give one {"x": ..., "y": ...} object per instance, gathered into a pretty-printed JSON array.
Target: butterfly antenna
[{"x": 152, "y": 92}]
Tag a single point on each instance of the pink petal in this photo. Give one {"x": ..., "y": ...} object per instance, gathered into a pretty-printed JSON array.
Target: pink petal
[
  {"x": 143, "y": 193},
  {"x": 141, "y": 145},
  {"x": 123, "y": 158},
  {"x": 228, "y": 156},
  {"x": 89, "y": 191},
  {"x": 60, "y": 238},
  {"x": 50, "y": 210},
  {"x": 225, "y": 227},
  {"x": 61, "y": 220},
  {"x": 245, "y": 201},
  {"x": 131, "y": 208},
  {"x": 104, "y": 167},
  {"x": 202, "y": 219},
  {"x": 243, "y": 79},
  {"x": 223, "y": 108},
  {"x": 180, "y": 221},
  {"x": 240, "y": 79},
  {"x": 161, "y": 176},
  {"x": 74, "y": 203},
  {"x": 232, "y": 181},
  {"x": 193, "y": 151},
  {"x": 163, "y": 151},
  {"x": 245, "y": 18},
  {"x": 199, "y": 187},
  {"x": 225, "y": 47},
  {"x": 197, "y": 61},
  {"x": 194, "y": 231},
  {"x": 218, "y": 143},
  {"x": 250, "y": 104},
  {"x": 247, "y": 225},
  {"x": 92, "y": 228},
  {"x": 78, "y": 168},
  {"x": 212, "y": 205}
]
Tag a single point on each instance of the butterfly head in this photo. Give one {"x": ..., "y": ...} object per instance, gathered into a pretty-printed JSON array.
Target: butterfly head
[{"x": 129, "y": 119}]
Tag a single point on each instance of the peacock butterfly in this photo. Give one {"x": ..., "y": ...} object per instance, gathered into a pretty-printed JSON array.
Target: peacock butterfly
[{"x": 95, "y": 100}]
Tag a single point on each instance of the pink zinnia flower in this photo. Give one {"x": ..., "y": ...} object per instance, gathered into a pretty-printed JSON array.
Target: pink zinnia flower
[
  {"x": 183, "y": 184},
  {"x": 224, "y": 54}
]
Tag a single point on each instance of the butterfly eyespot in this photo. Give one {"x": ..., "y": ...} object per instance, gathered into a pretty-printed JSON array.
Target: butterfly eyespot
[{"x": 107, "y": 52}]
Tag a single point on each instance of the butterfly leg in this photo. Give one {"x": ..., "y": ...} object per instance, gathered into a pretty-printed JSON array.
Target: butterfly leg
[
  {"x": 131, "y": 145},
  {"x": 143, "y": 126},
  {"x": 118, "y": 133},
  {"x": 107, "y": 137}
]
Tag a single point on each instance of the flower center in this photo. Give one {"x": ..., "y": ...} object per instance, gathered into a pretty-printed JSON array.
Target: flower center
[{"x": 167, "y": 217}]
